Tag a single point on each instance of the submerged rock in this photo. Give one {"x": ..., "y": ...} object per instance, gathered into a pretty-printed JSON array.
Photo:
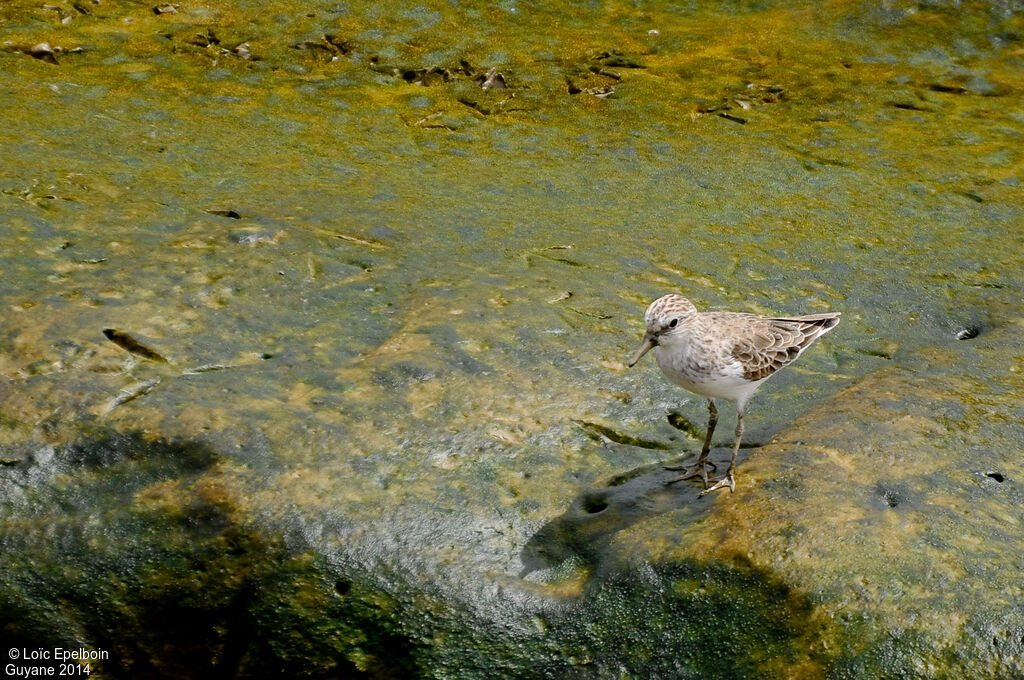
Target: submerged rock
[
  {"x": 360, "y": 457},
  {"x": 862, "y": 542}
]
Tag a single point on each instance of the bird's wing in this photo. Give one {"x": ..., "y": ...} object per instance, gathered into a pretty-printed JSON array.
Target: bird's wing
[{"x": 768, "y": 344}]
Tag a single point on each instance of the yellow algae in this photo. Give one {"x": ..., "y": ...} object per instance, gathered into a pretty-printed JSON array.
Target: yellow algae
[{"x": 405, "y": 355}]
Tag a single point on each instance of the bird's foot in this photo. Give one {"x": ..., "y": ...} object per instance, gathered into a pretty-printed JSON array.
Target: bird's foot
[
  {"x": 698, "y": 470},
  {"x": 726, "y": 481}
]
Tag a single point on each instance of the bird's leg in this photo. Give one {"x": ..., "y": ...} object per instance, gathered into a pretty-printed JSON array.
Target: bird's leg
[
  {"x": 728, "y": 480},
  {"x": 700, "y": 469}
]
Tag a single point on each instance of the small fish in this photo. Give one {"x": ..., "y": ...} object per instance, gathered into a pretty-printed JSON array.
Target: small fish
[
  {"x": 233, "y": 214},
  {"x": 132, "y": 392},
  {"x": 130, "y": 344}
]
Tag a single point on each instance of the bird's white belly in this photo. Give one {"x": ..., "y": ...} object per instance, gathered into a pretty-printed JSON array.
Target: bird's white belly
[{"x": 705, "y": 376}]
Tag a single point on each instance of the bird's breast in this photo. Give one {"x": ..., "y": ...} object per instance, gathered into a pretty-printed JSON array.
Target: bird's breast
[{"x": 699, "y": 369}]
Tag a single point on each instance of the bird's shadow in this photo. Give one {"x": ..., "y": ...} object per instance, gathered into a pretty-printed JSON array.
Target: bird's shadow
[{"x": 596, "y": 515}]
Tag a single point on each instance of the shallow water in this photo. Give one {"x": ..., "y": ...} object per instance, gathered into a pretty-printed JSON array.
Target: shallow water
[{"x": 352, "y": 254}]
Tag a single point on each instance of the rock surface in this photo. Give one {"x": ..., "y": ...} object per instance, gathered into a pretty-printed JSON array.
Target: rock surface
[{"x": 312, "y": 348}]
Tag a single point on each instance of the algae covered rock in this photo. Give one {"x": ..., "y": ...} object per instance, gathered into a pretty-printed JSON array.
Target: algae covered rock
[
  {"x": 861, "y": 543},
  {"x": 312, "y": 346}
]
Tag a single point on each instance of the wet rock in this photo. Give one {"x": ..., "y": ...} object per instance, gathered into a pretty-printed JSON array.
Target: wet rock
[
  {"x": 401, "y": 491},
  {"x": 163, "y": 512},
  {"x": 919, "y": 511},
  {"x": 718, "y": 587},
  {"x": 43, "y": 52}
]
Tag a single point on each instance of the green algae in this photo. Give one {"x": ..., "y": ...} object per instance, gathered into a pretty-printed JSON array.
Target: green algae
[
  {"x": 912, "y": 516},
  {"x": 385, "y": 294},
  {"x": 177, "y": 558}
]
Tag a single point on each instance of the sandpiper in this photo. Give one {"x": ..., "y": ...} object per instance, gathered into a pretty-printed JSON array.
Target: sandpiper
[{"x": 723, "y": 355}]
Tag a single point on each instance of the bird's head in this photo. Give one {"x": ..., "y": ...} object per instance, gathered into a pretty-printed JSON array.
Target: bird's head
[{"x": 663, "y": 318}]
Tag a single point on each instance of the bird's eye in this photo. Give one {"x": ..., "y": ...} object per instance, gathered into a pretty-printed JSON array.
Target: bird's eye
[{"x": 673, "y": 323}]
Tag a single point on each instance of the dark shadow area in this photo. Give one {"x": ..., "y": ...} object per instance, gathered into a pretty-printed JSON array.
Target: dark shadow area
[
  {"x": 692, "y": 618},
  {"x": 696, "y": 619},
  {"x": 140, "y": 548},
  {"x": 597, "y": 514}
]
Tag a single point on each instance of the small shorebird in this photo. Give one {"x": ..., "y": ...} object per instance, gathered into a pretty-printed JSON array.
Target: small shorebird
[{"x": 723, "y": 355}]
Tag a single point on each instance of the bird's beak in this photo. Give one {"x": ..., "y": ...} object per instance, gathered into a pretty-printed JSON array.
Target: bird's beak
[{"x": 646, "y": 346}]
